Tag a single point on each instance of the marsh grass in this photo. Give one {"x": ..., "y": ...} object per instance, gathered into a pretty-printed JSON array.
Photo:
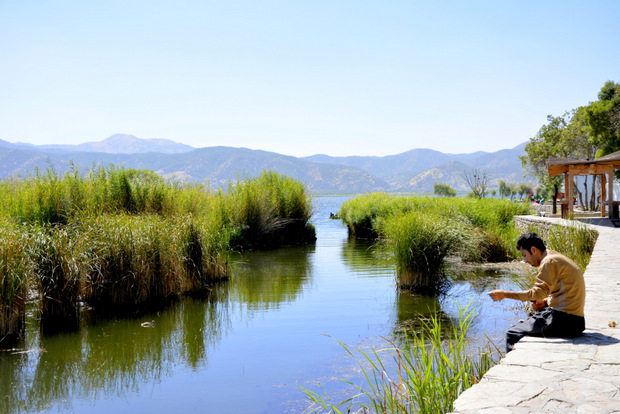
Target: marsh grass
[
  {"x": 136, "y": 261},
  {"x": 58, "y": 262},
  {"x": 124, "y": 240},
  {"x": 420, "y": 247},
  {"x": 15, "y": 267},
  {"x": 204, "y": 241},
  {"x": 270, "y": 211},
  {"x": 423, "y": 231},
  {"x": 425, "y": 375}
]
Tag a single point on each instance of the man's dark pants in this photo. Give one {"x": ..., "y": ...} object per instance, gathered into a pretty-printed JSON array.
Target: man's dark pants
[{"x": 547, "y": 323}]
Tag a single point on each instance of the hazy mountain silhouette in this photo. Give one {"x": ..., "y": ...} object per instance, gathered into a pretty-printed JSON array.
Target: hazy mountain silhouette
[
  {"x": 117, "y": 144},
  {"x": 412, "y": 171}
]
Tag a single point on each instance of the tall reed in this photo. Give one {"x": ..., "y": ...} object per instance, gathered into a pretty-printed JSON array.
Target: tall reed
[
  {"x": 58, "y": 259},
  {"x": 420, "y": 242},
  {"x": 426, "y": 375},
  {"x": 122, "y": 239},
  {"x": 134, "y": 261},
  {"x": 270, "y": 211},
  {"x": 204, "y": 241},
  {"x": 15, "y": 268}
]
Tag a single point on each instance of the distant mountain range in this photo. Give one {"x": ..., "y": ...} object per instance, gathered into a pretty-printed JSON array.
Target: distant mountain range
[
  {"x": 413, "y": 171},
  {"x": 116, "y": 144}
]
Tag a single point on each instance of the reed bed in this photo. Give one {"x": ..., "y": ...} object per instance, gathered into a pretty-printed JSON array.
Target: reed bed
[
  {"x": 422, "y": 231},
  {"x": 58, "y": 261},
  {"x": 15, "y": 266},
  {"x": 134, "y": 261},
  {"x": 425, "y": 375},
  {"x": 270, "y": 211},
  {"x": 47, "y": 198},
  {"x": 119, "y": 239}
]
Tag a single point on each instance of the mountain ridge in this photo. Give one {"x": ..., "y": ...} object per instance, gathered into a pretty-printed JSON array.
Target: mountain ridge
[{"x": 414, "y": 171}]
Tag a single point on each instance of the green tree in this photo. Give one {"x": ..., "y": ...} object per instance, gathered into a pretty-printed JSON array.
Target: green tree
[
  {"x": 504, "y": 189},
  {"x": 601, "y": 119},
  {"x": 444, "y": 190},
  {"x": 550, "y": 141},
  {"x": 524, "y": 189},
  {"x": 586, "y": 133}
]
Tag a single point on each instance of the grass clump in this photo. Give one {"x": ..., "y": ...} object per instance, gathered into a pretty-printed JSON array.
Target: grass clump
[
  {"x": 270, "y": 211},
  {"x": 420, "y": 244},
  {"x": 574, "y": 241},
  {"x": 58, "y": 261},
  {"x": 15, "y": 266},
  {"x": 136, "y": 261},
  {"x": 425, "y": 375}
]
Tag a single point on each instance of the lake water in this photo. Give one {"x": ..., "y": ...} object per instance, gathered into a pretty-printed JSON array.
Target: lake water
[{"x": 252, "y": 344}]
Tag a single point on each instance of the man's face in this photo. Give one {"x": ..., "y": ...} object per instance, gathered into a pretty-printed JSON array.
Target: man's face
[{"x": 534, "y": 258}]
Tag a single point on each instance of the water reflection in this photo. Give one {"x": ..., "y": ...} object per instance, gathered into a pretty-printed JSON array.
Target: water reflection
[
  {"x": 266, "y": 279},
  {"x": 112, "y": 358},
  {"x": 365, "y": 257}
]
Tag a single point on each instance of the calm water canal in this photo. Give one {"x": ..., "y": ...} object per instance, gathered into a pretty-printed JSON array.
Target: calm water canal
[{"x": 249, "y": 346}]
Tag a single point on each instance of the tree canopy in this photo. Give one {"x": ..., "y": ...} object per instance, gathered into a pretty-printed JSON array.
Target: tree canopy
[
  {"x": 586, "y": 132},
  {"x": 442, "y": 189}
]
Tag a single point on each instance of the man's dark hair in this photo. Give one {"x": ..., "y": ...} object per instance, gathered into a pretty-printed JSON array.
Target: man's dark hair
[{"x": 529, "y": 240}]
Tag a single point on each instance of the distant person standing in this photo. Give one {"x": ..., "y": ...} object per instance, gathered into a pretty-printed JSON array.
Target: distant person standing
[{"x": 558, "y": 295}]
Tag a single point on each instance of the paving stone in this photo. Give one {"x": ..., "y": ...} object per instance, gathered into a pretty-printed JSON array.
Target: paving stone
[
  {"x": 487, "y": 395},
  {"x": 517, "y": 373},
  {"x": 583, "y": 387}
]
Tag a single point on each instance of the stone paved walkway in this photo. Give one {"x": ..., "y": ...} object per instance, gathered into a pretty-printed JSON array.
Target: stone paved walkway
[{"x": 582, "y": 375}]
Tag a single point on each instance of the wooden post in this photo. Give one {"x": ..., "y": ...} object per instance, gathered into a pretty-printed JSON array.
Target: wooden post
[
  {"x": 610, "y": 194},
  {"x": 603, "y": 193},
  {"x": 569, "y": 194}
]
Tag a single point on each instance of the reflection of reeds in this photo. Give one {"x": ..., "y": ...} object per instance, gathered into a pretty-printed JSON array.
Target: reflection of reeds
[
  {"x": 114, "y": 358},
  {"x": 15, "y": 267},
  {"x": 265, "y": 280},
  {"x": 426, "y": 375}
]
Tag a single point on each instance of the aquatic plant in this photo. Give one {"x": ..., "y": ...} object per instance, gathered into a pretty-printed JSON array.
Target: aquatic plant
[
  {"x": 58, "y": 262},
  {"x": 270, "y": 211},
  {"x": 122, "y": 239},
  {"x": 15, "y": 268},
  {"x": 425, "y": 375},
  {"x": 420, "y": 242}
]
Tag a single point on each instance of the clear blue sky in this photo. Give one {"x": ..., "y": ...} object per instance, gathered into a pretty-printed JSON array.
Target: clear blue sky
[{"x": 302, "y": 77}]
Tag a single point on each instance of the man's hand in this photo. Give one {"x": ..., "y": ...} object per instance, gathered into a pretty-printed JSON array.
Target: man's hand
[
  {"x": 538, "y": 304},
  {"x": 497, "y": 294}
]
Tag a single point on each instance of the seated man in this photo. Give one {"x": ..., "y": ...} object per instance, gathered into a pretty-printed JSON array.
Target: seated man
[{"x": 558, "y": 294}]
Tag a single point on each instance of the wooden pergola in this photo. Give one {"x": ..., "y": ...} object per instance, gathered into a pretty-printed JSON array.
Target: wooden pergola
[{"x": 603, "y": 166}]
